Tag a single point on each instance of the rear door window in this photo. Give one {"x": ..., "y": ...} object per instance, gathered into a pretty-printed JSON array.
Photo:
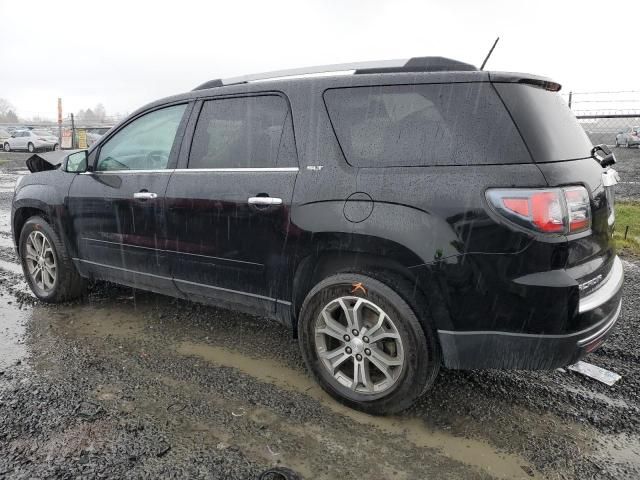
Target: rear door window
[
  {"x": 424, "y": 125},
  {"x": 243, "y": 132}
]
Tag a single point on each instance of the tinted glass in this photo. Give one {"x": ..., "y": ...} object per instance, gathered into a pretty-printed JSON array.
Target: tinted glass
[
  {"x": 144, "y": 144},
  {"x": 239, "y": 133},
  {"x": 547, "y": 124},
  {"x": 423, "y": 125}
]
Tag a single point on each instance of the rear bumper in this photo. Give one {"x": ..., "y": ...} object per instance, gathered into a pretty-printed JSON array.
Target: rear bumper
[{"x": 508, "y": 350}]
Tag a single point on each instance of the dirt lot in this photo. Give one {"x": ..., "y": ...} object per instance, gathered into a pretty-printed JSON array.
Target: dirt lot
[{"x": 132, "y": 384}]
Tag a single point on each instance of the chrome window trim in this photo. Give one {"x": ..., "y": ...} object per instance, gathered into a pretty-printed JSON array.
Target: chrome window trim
[
  {"x": 120, "y": 172},
  {"x": 193, "y": 170},
  {"x": 266, "y": 169}
]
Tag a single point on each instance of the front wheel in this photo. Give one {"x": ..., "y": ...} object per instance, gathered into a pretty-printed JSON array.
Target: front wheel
[
  {"x": 56, "y": 147},
  {"x": 365, "y": 345},
  {"x": 31, "y": 148},
  {"x": 7, "y": 147},
  {"x": 47, "y": 267}
]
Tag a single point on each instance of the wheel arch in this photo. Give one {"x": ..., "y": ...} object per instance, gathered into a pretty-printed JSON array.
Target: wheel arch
[
  {"x": 382, "y": 259},
  {"x": 36, "y": 200}
]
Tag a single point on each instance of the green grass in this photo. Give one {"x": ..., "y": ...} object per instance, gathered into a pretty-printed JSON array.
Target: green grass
[{"x": 628, "y": 215}]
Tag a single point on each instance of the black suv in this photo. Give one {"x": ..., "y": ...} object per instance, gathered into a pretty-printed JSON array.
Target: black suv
[{"x": 397, "y": 216}]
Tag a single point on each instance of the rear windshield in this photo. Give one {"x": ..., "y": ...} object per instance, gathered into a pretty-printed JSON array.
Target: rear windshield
[
  {"x": 424, "y": 125},
  {"x": 548, "y": 126}
]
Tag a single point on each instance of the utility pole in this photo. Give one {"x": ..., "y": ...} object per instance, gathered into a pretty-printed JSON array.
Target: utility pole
[
  {"x": 73, "y": 133},
  {"x": 60, "y": 122}
]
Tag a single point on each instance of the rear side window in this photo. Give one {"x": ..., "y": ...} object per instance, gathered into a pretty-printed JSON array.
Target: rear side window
[
  {"x": 243, "y": 132},
  {"x": 424, "y": 125},
  {"x": 547, "y": 124}
]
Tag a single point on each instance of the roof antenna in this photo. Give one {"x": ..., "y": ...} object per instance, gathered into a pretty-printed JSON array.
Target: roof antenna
[{"x": 489, "y": 54}]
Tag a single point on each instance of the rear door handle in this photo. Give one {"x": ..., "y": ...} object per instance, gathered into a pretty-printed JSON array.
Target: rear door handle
[
  {"x": 264, "y": 201},
  {"x": 145, "y": 195}
]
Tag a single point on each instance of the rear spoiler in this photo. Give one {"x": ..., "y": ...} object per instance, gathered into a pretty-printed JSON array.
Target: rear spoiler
[{"x": 526, "y": 78}]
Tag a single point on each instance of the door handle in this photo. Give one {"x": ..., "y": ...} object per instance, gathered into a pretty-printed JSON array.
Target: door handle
[
  {"x": 145, "y": 195},
  {"x": 264, "y": 201}
]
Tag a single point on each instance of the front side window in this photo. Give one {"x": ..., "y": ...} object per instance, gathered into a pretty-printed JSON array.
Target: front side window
[
  {"x": 243, "y": 132},
  {"x": 144, "y": 144}
]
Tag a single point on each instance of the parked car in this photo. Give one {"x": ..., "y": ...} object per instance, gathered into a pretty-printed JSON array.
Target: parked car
[
  {"x": 629, "y": 137},
  {"x": 402, "y": 217},
  {"x": 4, "y": 136},
  {"x": 94, "y": 133},
  {"x": 31, "y": 140}
]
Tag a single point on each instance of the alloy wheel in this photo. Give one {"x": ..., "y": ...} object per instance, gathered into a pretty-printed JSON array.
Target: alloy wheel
[
  {"x": 359, "y": 345},
  {"x": 41, "y": 262}
]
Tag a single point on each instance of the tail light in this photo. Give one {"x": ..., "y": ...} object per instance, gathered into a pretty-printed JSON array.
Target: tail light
[{"x": 555, "y": 210}]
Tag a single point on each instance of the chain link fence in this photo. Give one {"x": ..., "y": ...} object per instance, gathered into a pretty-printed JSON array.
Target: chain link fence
[{"x": 613, "y": 118}]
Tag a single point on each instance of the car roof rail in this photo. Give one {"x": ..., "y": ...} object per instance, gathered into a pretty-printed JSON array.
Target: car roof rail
[{"x": 404, "y": 65}]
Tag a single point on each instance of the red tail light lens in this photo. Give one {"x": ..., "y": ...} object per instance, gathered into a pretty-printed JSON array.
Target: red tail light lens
[
  {"x": 557, "y": 210},
  {"x": 578, "y": 208},
  {"x": 547, "y": 212}
]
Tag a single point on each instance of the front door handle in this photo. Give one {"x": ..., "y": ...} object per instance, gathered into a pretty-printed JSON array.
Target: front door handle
[
  {"x": 264, "y": 201},
  {"x": 145, "y": 195}
]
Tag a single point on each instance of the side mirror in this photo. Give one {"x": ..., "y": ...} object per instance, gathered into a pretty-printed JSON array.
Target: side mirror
[
  {"x": 76, "y": 162},
  {"x": 603, "y": 155}
]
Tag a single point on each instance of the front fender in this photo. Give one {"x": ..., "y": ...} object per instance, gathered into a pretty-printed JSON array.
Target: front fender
[{"x": 41, "y": 193}]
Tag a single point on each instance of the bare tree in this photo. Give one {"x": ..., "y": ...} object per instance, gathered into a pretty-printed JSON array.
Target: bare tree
[{"x": 7, "y": 112}]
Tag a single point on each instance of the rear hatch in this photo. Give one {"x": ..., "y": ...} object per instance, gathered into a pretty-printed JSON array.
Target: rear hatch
[{"x": 561, "y": 149}]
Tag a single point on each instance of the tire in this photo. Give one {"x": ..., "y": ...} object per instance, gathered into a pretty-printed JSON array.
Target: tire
[
  {"x": 420, "y": 349},
  {"x": 56, "y": 147},
  {"x": 31, "y": 148},
  {"x": 7, "y": 147},
  {"x": 68, "y": 284}
]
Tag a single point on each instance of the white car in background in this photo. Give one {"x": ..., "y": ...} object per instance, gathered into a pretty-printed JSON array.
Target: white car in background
[
  {"x": 4, "y": 136},
  {"x": 31, "y": 141}
]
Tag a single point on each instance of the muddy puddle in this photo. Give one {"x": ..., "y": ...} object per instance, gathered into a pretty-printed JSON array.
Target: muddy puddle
[
  {"x": 11, "y": 267},
  {"x": 128, "y": 322},
  {"x": 467, "y": 451},
  {"x": 12, "y": 329}
]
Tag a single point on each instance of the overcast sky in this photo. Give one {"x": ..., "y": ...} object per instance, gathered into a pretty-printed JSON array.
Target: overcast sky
[{"x": 126, "y": 53}]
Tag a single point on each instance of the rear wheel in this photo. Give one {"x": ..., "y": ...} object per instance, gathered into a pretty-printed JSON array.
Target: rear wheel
[
  {"x": 365, "y": 345},
  {"x": 56, "y": 147},
  {"x": 31, "y": 148},
  {"x": 7, "y": 147},
  {"x": 46, "y": 265}
]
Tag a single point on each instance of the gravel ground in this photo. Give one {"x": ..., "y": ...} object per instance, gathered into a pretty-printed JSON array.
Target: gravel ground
[
  {"x": 130, "y": 384},
  {"x": 628, "y": 166}
]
